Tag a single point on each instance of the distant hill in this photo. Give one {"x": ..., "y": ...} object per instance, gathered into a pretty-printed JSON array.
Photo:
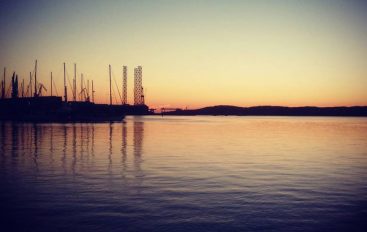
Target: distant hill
[{"x": 275, "y": 111}]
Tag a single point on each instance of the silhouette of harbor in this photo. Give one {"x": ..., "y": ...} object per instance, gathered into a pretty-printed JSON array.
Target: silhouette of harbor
[{"x": 23, "y": 103}]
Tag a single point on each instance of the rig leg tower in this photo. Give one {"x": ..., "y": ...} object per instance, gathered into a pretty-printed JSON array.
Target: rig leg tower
[{"x": 138, "y": 87}]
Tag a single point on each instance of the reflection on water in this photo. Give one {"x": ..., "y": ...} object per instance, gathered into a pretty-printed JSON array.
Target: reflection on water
[
  {"x": 70, "y": 145},
  {"x": 185, "y": 173}
]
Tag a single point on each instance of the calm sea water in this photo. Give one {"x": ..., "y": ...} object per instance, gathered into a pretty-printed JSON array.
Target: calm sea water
[{"x": 185, "y": 174}]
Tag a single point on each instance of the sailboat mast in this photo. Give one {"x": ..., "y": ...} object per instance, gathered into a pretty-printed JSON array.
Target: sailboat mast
[
  {"x": 23, "y": 87},
  {"x": 110, "y": 86},
  {"x": 4, "y": 86},
  {"x": 92, "y": 92},
  {"x": 81, "y": 87},
  {"x": 30, "y": 84},
  {"x": 88, "y": 90},
  {"x": 74, "y": 95},
  {"x": 35, "y": 80},
  {"x": 65, "y": 89},
  {"x": 51, "y": 84}
]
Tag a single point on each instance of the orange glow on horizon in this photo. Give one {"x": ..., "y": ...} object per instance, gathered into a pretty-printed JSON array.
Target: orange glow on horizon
[{"x": 196, "y": 54}]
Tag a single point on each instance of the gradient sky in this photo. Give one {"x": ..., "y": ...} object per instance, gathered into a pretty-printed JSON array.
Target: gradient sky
[{"x": 197, "y": 53}]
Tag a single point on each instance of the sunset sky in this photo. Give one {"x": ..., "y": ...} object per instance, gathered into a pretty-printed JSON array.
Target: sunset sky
[{"x": 196, "y": 53}]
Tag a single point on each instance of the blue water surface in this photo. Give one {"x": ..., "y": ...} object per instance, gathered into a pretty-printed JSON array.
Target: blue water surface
[{"x": 185, "y": 174}]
